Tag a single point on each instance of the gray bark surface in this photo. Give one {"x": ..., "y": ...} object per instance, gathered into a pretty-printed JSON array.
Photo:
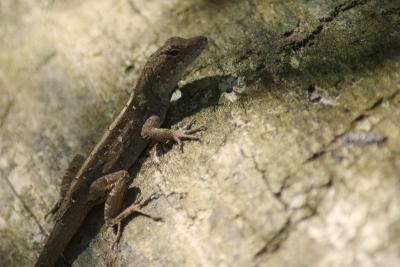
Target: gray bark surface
[{"x": 299, "y": 166}]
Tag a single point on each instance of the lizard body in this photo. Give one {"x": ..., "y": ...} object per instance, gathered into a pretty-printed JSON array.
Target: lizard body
[{"x": 103, "y": 175}]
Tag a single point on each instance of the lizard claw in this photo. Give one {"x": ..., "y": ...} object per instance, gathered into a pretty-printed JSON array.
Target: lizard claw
[
  {"x": 136, "y": 207},
  {"x": 118, "y": 237},
  {"x": 139, "y": 199},
  {"x": 186, "y": 133}
]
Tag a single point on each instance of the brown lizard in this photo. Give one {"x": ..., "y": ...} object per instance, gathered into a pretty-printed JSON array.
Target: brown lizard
[{"x": 103, "y": 176}]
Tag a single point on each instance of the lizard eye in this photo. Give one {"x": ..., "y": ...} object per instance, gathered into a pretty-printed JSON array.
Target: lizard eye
[{"x": 172, "y": 52}]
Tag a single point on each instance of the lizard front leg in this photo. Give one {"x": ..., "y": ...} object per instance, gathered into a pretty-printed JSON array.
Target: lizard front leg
[
  {"x": 151, "y": 130},
  {"x": 112, "y": 189}
]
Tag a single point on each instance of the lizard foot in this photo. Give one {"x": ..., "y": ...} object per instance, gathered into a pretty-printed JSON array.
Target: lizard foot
[
  {"x": 186, "y": 133},
  {"x": 134, "y": 208}
]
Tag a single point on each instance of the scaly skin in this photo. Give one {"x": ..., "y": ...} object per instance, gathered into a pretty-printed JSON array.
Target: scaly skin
[{"x": 125, "y": 140}]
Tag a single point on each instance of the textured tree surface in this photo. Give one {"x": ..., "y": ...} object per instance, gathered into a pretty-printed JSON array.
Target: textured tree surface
[{"x": 299, "y": 166}]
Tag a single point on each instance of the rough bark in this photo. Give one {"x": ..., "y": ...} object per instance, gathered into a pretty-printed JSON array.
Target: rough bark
[{"x": 300, "y": 165}]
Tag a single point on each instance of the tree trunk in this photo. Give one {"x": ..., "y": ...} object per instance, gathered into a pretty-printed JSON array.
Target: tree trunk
[{"x": 300, "y": 163}]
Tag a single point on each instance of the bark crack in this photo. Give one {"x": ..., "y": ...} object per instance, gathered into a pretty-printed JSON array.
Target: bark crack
[
  {"x": 23, "y": 203},
  {"x": 137, "y": 11},
  {"x": 276, "y": 195},
  {"x": 6, "y": 112},
  {"x": 361, "y": 117},
  {"x": 296, "y": 45},
  {"x": 342, "y": 8},
  {"x": 275, "y": 242}
]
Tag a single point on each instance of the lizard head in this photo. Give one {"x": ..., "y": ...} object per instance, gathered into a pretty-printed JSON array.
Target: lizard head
[
  {"x": 181, "y": 50},
  {"x": 171, "y": 60}
]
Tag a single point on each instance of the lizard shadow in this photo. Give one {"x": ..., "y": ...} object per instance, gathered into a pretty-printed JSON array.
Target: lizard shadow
[{"x": 197, "y": 95}]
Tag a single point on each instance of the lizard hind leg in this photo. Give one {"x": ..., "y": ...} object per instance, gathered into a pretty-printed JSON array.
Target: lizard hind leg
[
  {"x": 136, "y": 207},
  {"x": 66, "y": 180},
  {"x": 114, "y": 200}
]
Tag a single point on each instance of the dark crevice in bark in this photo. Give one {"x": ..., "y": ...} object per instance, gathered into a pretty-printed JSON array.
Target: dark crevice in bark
[
  {"x": 327, "y": 147},
  {"x": 46, "y": 60},
  {"x": 137, "y": 11},
  {"x": 25, "y": 206},
  {"x": 298, "y": 44},
  {"x": 6, "y": 112},
  {"x": 315, "y": 156},
  {"x": 276, "y": 195},
  {"x": 274, "y": 243},
  {"x": 361, "y": 117},
  {"x": 342, "y": 8},
  {"x": 389, "y": 12}
]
